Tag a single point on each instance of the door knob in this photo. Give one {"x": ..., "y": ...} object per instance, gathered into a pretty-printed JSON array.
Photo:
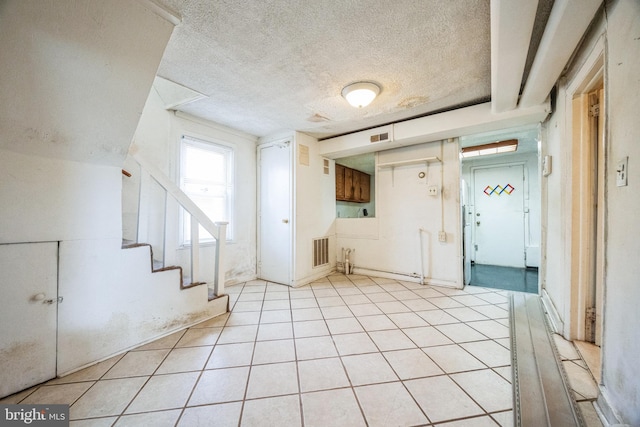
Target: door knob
[
  {"x": 477, "y": 222},
  {"x": 285, "y": 221},
  {"x": 38, "y": 297}
]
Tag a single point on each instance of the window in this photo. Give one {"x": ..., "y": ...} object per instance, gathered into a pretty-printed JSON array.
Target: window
[{"x": 206, "y": 176}]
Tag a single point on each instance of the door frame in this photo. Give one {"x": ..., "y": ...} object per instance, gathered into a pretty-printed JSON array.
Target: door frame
[
  {"x": 289, "y": 144},
  {"x": 588, "y": 230},
  {"x": 579, "y": 217}
]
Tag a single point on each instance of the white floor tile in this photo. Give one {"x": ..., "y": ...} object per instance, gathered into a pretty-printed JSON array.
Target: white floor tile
[
  {"x": 274, "y": 352},
  {"x": 281, "y": 411},
  {"x": 442, "y": 399},
  {"x": 272, "y": 380},
  {"x": 331, "y": 408},
  {"x": 393, "y": 339},
  {"x": 164, "y": 392},
  {"x": 410, "y": 364},
  {"x": 368, "y": 369},
  {"x": 156, "y": 419},
  {"x": 107, "y": 397},
  {"x": 185, "y": 359},
  {"x": 315, "y": 348},
  {"x": 354, "y": 344},
  {"x": 389, "y": 405},
  {"x": 321, "y": 374},
  {"x": 225, "y": 415},
  {"x": 487, "y": 388},
  {"x": 219, "y": 386},
  {"x": 453, "y": 358},
  {"x": 231, "y": 355}
]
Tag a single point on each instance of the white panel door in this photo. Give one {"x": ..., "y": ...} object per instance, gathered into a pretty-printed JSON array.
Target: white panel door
[
  {"x": 498, "y": 220},
  {"x": 28, "y": 295},
  {"x": 276, "y": 220}
]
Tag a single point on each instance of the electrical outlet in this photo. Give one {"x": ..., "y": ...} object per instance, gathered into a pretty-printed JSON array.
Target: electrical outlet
[
  {"x": 433, "y": 190},
  {"x": 442, "y": 236}
]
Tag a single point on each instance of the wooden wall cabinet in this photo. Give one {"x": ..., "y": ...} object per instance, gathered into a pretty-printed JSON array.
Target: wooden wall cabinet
[{"x": 352, "y": 185}]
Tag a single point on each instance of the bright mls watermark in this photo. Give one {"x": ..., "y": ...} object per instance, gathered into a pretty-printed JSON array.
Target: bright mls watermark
[{"x": 34, "y": 415}]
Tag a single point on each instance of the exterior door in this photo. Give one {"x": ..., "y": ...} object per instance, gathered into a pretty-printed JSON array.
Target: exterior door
[
  {"x": 275, "y": 216},
  {"x": 29, "y": 298},
  {"x": 498, "y": 220}
]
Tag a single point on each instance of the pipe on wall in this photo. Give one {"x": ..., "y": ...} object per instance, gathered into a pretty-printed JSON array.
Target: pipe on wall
[{"x": 420, "y": 230}]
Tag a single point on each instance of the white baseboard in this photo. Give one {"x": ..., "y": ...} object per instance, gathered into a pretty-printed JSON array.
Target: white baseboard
[
  {"x": 556, "y": 323},
  {"x": 606, "y": 413}
]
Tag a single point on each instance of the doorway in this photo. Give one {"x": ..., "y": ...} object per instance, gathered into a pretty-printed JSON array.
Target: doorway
[
  {"x": 501, "y": 207},
  {"x": 275, "y": 220},
  {"x": 589, "y": 208},
  {"x": 585, "y": 103}
]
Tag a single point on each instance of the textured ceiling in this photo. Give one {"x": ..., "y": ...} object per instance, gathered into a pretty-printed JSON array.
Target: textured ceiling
[{"x": 268, "y": 66}]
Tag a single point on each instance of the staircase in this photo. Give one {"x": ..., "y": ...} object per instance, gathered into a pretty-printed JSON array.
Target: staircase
[{"x": 154, "y": 192}]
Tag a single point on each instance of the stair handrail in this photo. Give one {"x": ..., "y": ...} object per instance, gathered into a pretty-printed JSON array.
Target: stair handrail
[{"x": 217, "y": 229}]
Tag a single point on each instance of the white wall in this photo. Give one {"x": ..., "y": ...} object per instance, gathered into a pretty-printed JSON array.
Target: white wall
[
  {"x": 621, "y": 371},
  {"x": 77, "y": 78},
  {"x": 157, "y": 139},
  {"x": 390, "y": 242},
  {"x": 315, "y": 209},
  {"x": 620, "y": 389},
  {"x": 531, "y": 196}
]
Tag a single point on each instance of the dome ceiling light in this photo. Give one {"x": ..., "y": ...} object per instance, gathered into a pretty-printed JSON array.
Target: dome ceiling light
[{"x": 360, "y": 94}]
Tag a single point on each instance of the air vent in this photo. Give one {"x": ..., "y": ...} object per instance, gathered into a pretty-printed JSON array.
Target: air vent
[
  {"x": 380, "y": 137},
  {"x": 320, "y": 252}
]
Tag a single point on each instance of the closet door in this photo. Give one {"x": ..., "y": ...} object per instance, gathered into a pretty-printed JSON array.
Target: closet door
[
  {"x": 29, "y": 298},
  {"x": 275, "y": 218}
]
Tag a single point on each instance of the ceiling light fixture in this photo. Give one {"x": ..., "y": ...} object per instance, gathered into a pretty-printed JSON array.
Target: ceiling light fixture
[
  {"x": 360, "y": 94},
  {"x": 492, "y": 148}
]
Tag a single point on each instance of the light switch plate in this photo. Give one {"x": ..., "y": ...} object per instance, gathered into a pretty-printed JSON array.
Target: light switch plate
[
  {"x": 442, "y": 236},
  {"x": 433, "y": 190},
  {"x": 621, "y": 172}
]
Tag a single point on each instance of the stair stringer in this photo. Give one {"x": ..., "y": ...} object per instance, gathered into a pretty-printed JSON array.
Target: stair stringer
[{"x": 138, "y": 306}]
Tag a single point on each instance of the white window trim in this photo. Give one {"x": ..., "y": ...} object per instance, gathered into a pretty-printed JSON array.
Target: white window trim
[{"x": 229, "y": 151}]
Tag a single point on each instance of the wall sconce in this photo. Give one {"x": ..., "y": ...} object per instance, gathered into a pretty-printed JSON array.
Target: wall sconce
[{"x": 360, "y": 94}]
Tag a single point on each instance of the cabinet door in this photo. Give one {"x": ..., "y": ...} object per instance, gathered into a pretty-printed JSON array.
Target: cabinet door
[
  {"x": 340, "y": 184},
  {"x": 356, "y": 186},
  {"x": 365, "y": 187},
  {"x": 348, "y": 184}
]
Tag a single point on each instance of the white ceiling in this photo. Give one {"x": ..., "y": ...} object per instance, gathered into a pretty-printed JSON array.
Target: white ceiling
[{"x": 269, "y": 66}]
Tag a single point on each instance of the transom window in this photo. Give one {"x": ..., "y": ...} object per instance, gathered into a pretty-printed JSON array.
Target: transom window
[{"x": 206, "y": 176}]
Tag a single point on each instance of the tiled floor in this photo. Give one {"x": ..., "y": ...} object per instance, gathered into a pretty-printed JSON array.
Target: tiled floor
[
  {"x": 582, "y": 381},
  {"x": 349, "y": 351}
]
